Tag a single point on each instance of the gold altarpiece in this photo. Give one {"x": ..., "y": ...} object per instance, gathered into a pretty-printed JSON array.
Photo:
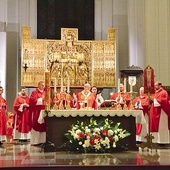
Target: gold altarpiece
[{"x": 80, "y": 61}]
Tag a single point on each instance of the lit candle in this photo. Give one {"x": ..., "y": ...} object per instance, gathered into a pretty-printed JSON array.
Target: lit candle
[
  {"x": 55, "y": 85},
  {"x": 68, "y": 85},
  {"x": 118, "y": 85},
  {"x": 47, "y": 90},
  {"x": 125, "y": 85}
]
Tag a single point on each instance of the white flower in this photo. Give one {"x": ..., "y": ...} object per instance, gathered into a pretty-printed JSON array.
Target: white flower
[
  {"x": 97, "y": 146},
  {"x": 80, "y": 143},
  {"x": 87, "y": 130},
  {"x": 114, "y": 144},
  {"x": 78, "y": 131},
  {"x": 116, "y": 138},
  {"x": 116, "y": 131},
  {"x": 97, "y": 130},
  {"x": 106, "y": 141},
  {"x": 96, "y": 141},
  {"x": 75, "y": 136},
  {"x": 86, "y": 143},
  {"x": 88, "y": 137},
  {"x": 122, "y": 135},
  {"x": 110, "y": 132}
]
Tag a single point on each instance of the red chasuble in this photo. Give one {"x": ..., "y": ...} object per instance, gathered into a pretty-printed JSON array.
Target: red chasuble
[
  {"x": 125, "y": 97},
  {"x": 35, "y": 111},
  {"x": 162, "y": 97},
  {"x": 3, "y": 116},
  {"x": 23, "y": 124},
  {"x": 141, "y": 103},
  {"x": 89, "y": 97}
]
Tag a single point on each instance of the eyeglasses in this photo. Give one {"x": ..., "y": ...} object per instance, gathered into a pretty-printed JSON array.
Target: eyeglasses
[{"x": 94, "y": 89}]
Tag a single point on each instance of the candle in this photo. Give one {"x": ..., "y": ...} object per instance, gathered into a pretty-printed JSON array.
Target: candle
[
  {"x": 61, "y": 84},
  {"x": 68, "y": 85},
  {"x": 47, "y": 90},
  {"x": 55, "y": 85},
  {"x": 118, "y": 85},
  {"x": 131, "y": 88},
  {"x": 125, "y": 85}
]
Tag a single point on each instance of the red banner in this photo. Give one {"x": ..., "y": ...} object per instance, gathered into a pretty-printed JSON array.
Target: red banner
[{"x": 149, "y": 79}]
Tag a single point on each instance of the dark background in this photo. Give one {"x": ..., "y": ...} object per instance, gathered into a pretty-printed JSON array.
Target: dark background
[{"x": 52, "y": 15}]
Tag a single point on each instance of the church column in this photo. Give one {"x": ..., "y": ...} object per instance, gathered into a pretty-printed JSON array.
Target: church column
[
  {"x": 3, "y": 9},
  {"x": 19, "y": 13},
  {"x": 113, "y": 13},
  {"x": 136, "y": 28},
  {"x": 3, "y": 56},
  {"x": 157, "y": 24}
]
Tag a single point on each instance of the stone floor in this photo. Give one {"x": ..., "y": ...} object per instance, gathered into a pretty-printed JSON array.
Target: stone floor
[{"x": 24, "y": 155}]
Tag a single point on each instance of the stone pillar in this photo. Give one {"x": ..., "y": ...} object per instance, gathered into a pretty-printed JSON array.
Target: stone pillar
[
  {"x": 136, "y": 27},
  {"x": 3, "y": 56}
]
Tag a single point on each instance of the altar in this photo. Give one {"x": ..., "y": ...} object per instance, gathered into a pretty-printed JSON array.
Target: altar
[{"x": 60, "y": 121}]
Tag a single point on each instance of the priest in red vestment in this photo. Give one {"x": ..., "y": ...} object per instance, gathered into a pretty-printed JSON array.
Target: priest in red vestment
[
  {"x": 141, "y": 102},
  {"x": 63, "y": 99},
  {"x": 38, "y": 131},
  {"x": 86, "y": 99},
  {"x": 121, "y": 97},
  {"x": 159, "y": 114},
  {"x": 22, "y": 124},
  {"x": 3, "y": 117}
]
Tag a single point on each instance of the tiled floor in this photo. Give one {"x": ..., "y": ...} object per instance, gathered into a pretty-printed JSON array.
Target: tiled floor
[{"x": 22, "y": 155}]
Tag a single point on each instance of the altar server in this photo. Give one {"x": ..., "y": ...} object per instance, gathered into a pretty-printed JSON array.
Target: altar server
[{"x": 22, "y": 124}]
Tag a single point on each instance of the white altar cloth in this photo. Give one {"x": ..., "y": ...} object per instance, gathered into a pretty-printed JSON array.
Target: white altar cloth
[{"x": 138, "y": 114}]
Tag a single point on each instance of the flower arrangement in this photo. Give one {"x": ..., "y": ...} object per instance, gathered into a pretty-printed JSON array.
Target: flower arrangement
[{"x": 93, "y": 136}]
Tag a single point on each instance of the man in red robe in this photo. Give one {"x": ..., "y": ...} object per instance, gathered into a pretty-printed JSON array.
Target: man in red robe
[
  {"x": 38, "y": 131},
  {"x": 141, "y": 103},
  {"x": 3, "y": 117},
  {"x": 22, "y": 124},
  {"x": 121, "y": 98},
  {"x": 159, "y": 114},
  {"x": 63, "y": 99},
  {"x": 86, "y": 99}
]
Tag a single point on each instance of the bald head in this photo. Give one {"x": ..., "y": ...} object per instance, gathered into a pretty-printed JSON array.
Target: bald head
[
  {"x": 87, "y": 87},
  {"x": 157, "y": 85}
]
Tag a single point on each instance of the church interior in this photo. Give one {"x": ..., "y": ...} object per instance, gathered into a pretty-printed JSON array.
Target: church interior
[{"x": 73, "y": 44}]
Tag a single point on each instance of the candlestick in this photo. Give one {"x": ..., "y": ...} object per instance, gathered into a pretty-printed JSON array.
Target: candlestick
[
  {"x": 61, "y": 84},
  {"x": 47, "y": 90},
  {"x": 55, "y": 85},
  {"x": 118, "y": 85},
  {"x": 131, "y": 88},
  {"x": 125, "y": 85},
  {"x": 68, "y": 85}
]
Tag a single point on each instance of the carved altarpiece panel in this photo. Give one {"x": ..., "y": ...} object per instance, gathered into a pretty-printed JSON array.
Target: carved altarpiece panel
[{"x": 80, "y": 61}]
